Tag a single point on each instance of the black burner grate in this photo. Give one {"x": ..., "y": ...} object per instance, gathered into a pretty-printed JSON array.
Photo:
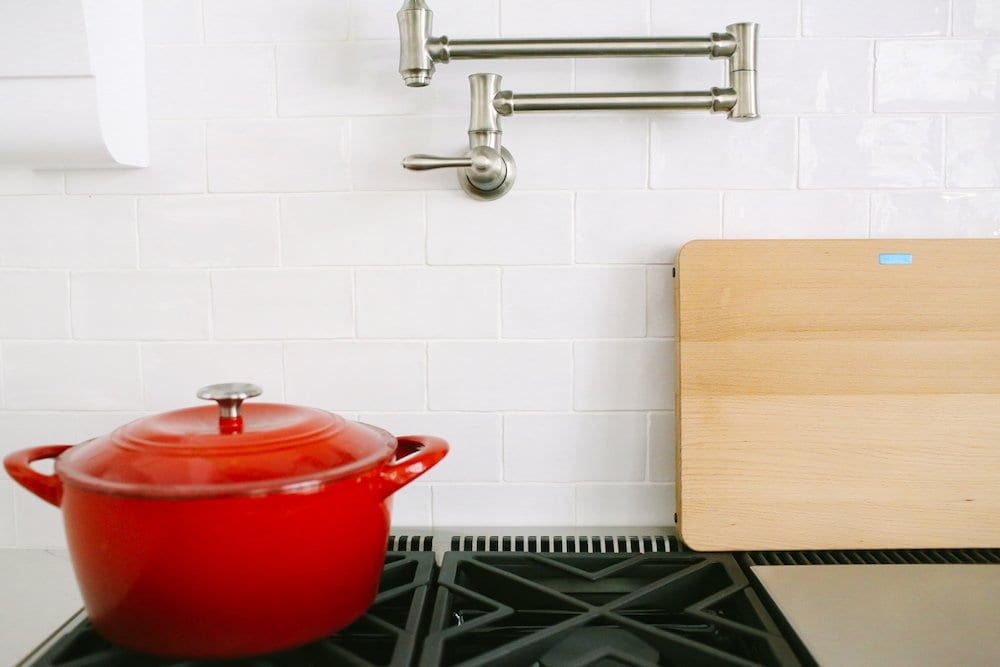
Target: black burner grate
[
  {"x": 873, "y": 557},
  {"x": 566, "y": 543},
  {"x": 562, "y": 609},
  {"x": 386, "y": 636}
]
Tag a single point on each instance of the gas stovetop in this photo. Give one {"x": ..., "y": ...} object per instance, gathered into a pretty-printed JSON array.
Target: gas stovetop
[{"x": 546, "y": 601}]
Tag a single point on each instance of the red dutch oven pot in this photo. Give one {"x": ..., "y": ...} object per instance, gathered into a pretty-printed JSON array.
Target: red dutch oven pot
[{"x": 220, "y": 533}]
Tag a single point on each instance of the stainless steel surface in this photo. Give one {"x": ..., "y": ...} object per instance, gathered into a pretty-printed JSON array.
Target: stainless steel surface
[
  {"x": 891, "y": 615},
  {"x": 229, "y": 396},
  {"x": 716, "y": 45},
  {"x": 743, "y": 71},
  {"x": 415, "y": 63},
  {"x": 717, "y": 99}
]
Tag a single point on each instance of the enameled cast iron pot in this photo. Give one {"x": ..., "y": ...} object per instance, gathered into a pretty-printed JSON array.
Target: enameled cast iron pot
[{"x": 205, "y": 535}]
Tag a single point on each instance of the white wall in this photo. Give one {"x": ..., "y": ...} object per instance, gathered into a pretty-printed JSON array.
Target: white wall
[{"x": 275, "y": 239}]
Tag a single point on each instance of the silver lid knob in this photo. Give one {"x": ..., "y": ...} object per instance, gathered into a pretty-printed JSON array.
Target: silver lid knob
[{"x": 229, "y": 396}]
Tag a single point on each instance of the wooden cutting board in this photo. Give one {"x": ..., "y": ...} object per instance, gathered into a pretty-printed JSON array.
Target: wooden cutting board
[{"x": 838, "y": 394}]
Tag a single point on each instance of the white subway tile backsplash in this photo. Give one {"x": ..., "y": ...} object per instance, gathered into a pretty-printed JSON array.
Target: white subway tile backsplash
[
  {"x": 202, "y": 231},
  {"x": 574, "y": 447},
  {"x": 976, "y": 17},
  {"x": 625, "y": 504},
  {"x": 863, "y": 18},
  {"x": 8, "y": 532},
  {"x": 473, "y": 440},
  {"x": 411, "y": 506},
  {"x": 172, "y": 21},
  {"x": 936, "y": 214},
  {"x": 428, "y": 303},
  {"x": 38, "y": 523},
  {"x": 67, "y": 232},
  {"x": 459, "y": 19},
  {"x": 504, "y": 505},
  {"x": 689, "y": 151},
  {"x": 796, "y": 214},
  {"x": 574, "y": 18},
  {"x": 176, "y": 164},
  {"x": 276, "y": 20},
  {"x": 815, "y": 75},
  {"x": 660, "y": 302},
  {"x": 34, "y": 304},
  {"x": 504, "y": 375},
  {"x": 777, "y": 18},
  {"x": 937, "y": 75},
  {"x": 631, "y": 74},
  {"x": 623, "y": 375},
  {"x": 888, "y": 152},
  {"x": 662, "y": 451},
  {"x": 24, "y": 181},
  {"x": 173, "y": 372},
  {"x": 520, "y": 228},
  {"x": 574, "y": 302},
  {"x": 196, "y": 81},
  {"x": 352, "y": 228},
  {"x": 291, "y": 303},
  {"x": 282, "y": 155},
  {"x": 356, "y": 375},
  {"x": 140, "y": 305},
  {"x": 972, "y": 152},
  {"x": 642, "y": 227},
  {"x": 71, "y": 375}
]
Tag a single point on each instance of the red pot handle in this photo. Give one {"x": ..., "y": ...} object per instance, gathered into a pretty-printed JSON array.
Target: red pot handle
[
  {"x": 46, "y": 487},
  {"x": 415, "y": 455}
]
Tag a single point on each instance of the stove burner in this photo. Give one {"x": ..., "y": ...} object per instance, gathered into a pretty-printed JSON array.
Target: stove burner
[{"x": 600, "y": 647}]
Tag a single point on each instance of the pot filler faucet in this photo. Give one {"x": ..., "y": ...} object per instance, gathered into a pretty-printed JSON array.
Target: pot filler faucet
[{"x": 487, "y": 171}]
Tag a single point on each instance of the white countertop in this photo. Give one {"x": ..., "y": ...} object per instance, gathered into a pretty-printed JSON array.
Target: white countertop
[{"x": 37, "y": 595}]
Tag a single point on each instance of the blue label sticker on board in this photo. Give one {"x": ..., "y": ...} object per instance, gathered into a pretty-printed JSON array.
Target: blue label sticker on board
[{"x": 895, "y": 258}]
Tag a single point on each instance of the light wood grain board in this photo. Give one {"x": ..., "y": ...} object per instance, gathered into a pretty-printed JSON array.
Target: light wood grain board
[{"x": 827, "y": 401}]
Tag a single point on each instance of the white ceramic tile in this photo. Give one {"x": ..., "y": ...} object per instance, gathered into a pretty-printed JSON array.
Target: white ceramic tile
[
  {"x": 623, "y": 375},
  {"x": 864, "y": 18},
  {"x": 411, "y": 507},
  {"x": 660, "y": 302},
  {"x": 938, "y": 75},
  {"x": 689, "y": 151},
  {"x": 276, "y": 20},
  {"x": 39, "y": 524},
  {"x": 507, "y": 504},
  {"x": 600, "y": 152},
  {"x": 574, "y": 447},
  {"x": 642, "y": 227},
  {"x": 473, "y": 441},
  {"x": 936, "y": 214},
  {"x": 67, "y": 232},
  {"x": 796, "y": 214},
  {"x": 815, "y": 75},
  {"x": 30, "y": 182},
  {"x": 625, "y": 504},
  {"x": 574, "y": 18},
  {"x": 976, "y": 17},
  {"x": 144, "y": 305},
  {"x": 195, "y": 81},
  {"x": 355, "y": 375},
  {"x": 173, "y": 372},
  {"x": 35, "y": 304},
  {"x": 492, "y": 376},
  {"x": 378, "y": 144},
  {"x": 777, "y": 18},
  {"x": 352, "y": 228},
  {"x": 8, "y": 532},
  {"x": 192, "y": 231},
  {"x": 176, "y": 164},
  {"x": 632, "y": 74},
  {"x": 520, "y": 228},
  {"x": 890, "y": 152},
  {"x": 572, "y": 302},
  {"x": 459, "y": 19},
  {"x": 428, "y": 303},
  {"x": 662, "y": 451},
  {"x": 172, "y": 21},
  {"x": 972, "y": 152},
  {"x": 71, "y": 376},
  {"x": 283, "y": 155},
  {"x": 290, "y": 303}
]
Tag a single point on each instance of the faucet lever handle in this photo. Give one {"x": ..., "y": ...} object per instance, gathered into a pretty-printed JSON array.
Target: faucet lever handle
[{"x": 422, "y": 162}]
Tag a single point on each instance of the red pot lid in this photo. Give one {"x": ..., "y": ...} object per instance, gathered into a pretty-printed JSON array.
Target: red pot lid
[{"x": 231, "y": 449}]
